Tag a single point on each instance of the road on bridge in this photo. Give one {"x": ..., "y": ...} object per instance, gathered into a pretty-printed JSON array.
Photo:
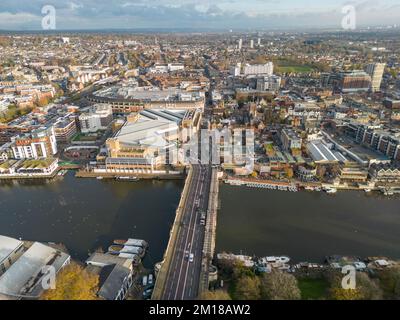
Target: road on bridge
[{"x": 183, "y": 278}]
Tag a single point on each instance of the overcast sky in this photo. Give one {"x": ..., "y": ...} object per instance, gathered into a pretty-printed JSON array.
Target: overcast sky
[{"x": 196, "y": 14}]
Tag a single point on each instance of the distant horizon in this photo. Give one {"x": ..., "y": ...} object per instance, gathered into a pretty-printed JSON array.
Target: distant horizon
[{"x": 207, "y": 30}]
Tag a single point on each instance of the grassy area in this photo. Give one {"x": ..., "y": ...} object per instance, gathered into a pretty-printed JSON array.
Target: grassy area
[
  {"x": 312, "y": 289},
  {"x": 83, "y": 137}
]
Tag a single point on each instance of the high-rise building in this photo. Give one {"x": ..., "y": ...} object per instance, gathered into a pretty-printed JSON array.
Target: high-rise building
[
  {"x": 259, "y": 42},
  {"x": 252, "y": 44},
  {"x": 235, "y": 70},
  {"x": 351, "y": 81},
  {"x": 240, "y": 44},
  {"x": 375, "y": 70},
  {"x": 259, "y": 69}
]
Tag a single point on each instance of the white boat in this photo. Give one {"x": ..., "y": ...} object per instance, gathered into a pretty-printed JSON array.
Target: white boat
[
  {"x": 128, "y": 178},
  {"x": 275, "y": 260},
  {"x": 367, "y": 190},
  {"x": 330, "y": 190},
  {"x": 132, "y": 242},
  {"x": 99, "y": 178},
  {"x": 118, "y": 249}
]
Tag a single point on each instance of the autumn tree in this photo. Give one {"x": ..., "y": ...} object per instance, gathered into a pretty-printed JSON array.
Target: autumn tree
[
  {"x": 390, "y": 282},
  {"x": 215, "y": 295},
  {"x": 365, "y": 288},
  {"x": 279, "y": 286},
  {"x": 74, "y": 283},
  {"x": 248, "y": 288}
]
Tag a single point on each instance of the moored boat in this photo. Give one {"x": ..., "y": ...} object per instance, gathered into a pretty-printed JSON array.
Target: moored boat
[
  {"x": 118, "y": 249},
  {"x": 132, "y": 242}
]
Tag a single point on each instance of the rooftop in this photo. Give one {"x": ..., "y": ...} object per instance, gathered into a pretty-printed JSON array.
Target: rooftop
[{"x": 8, "y": 246}]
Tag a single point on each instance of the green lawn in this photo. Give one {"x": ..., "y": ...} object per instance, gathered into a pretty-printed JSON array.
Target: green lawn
[{"x": 312, "y": 289}]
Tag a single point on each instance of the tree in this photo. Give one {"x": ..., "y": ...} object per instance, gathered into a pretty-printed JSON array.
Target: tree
[
  {"x": 365, "y": 289},
  {"x": 248, "y": 288},
  {"x": 279, "y": 286},
  {"x": 74, "y": 283},
  {"x": 390, "y": 282},
  {"x": 215, "y": 295}
]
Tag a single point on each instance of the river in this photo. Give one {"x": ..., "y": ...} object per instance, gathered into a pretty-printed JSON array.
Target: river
[
  {"x": 307, "y": 226},
  {"x": 85, "y": 214}
]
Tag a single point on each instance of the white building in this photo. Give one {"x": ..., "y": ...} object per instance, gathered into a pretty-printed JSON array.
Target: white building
[
  {"x": 376, "y": 70},
  {"x": 240, "y": 44},
  {"x": 165, "y": 68},
  {"x": 38, "y": 144},
  {"x": 235, "y": 70},
  {"x": 96, "y": 118},
  {"x": 259, "y": 69}
]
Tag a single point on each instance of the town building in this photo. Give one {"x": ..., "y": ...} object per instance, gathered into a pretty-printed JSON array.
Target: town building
[
  {"x": 148, "y": 141},
  {"x": 115, "y": 275},
  {"x": 97, "y": 117},
  {"x": 375, "y": 70},
  {"x": 269, "y": 83},
  {"x": 351, "y": 82},
  {"x": 38, "y": 144},
  {"x": 259, "y": 69},
  {"x": 23, "y": 266},
  {"x": 291, "y": 141},
  {"x": 65, "y": 129}
]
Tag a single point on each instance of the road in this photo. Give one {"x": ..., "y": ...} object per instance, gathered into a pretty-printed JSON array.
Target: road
[{"x": 183, "y": 276}]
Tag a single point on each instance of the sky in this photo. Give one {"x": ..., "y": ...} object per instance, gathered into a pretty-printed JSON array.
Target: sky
[{"x": 196, "y": 14}]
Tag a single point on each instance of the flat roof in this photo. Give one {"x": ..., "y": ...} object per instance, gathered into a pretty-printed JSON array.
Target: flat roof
[
  {"x": 7, "y": 246},
  {"x": 24, "y": 274},
  {"x": 149, "y": 129},
  {"x": 320, "y": 152}
]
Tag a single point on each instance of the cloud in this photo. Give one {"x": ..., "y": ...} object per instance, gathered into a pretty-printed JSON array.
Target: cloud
[{"x": 219, "y": 14}]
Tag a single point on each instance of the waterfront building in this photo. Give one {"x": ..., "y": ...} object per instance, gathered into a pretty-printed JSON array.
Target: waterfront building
[
  {"x": 38, "y": 144},
  {"x": 352, "y": 172},
  {"x": 96, "y": 118},
  {"x": 388, "y": 143},
  {"x": 384, "y": 174},
  {"x": 148, "y": 141},
  {"x": 10, "y": 250},
  {"x": 375, "y": 70},
  {"x": 115, "y": 275},
  {"x": 26, "y": 264},
  {"x": 305, "y": 174}
]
